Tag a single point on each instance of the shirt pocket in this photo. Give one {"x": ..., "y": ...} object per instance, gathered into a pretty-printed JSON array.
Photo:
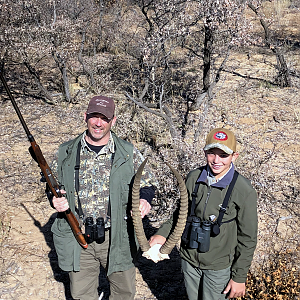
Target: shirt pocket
[{"x": 126, "y": 190}]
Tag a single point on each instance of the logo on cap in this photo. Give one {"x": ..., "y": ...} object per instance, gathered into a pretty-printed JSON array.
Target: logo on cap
[
  {"x": 101, "y": 102},
  {"x": 220, "y": 136}
]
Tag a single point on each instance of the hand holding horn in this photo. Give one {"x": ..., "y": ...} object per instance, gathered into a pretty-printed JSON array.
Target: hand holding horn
[{"x": 158, "y": 252}]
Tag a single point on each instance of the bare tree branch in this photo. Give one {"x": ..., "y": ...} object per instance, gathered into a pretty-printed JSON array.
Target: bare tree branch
[
  {"x": 165, "y": 116},
  {"x": 60, "y": 61},
  {"x": 80, "y": 59},
  {"x": 283, "y": 71},
  {"x": 34, "y": 73}
]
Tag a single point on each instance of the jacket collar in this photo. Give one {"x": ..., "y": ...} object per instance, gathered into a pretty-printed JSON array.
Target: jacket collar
[
  {"x": 108, "y": 148},
  {"x": 223, "y": 183},
  {"x": 121, "y": 154}
]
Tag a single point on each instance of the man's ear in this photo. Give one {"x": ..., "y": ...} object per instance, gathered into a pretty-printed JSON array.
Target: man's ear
[
  {"x": 85, "y": 117},
  {"x": 113, "y": 121}
]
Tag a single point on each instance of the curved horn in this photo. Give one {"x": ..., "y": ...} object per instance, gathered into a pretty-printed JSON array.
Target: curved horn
[
  {"x": 137, "y": 221},
  {"x": 183, "y": 211},
  {"x": 136, "y": 216}
]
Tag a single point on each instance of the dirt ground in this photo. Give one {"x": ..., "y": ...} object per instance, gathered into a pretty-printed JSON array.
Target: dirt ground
[
  {"x": 29, "y": 262},
  {"x": 267, "y": 122},
  {"x": 33, "y": 273}
]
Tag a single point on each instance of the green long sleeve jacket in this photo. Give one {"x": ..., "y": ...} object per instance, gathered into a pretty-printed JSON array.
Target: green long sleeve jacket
[
  {"x": 123, "y": 246},
  {"x": 235, "y": 244}
]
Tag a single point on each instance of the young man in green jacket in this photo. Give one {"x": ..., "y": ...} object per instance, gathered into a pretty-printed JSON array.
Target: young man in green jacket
[
  {"x": 220, "y": 271},
  {"x": 96, "y": 170}
]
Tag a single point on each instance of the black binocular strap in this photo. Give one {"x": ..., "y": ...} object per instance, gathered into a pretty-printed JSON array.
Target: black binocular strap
[
  {"x": 194, "y": 196},
  {"x": 226, "y": 199},
  {"x": 79, "y": 210}
]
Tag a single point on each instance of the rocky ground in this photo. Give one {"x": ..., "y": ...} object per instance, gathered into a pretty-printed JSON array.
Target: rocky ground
[{"x": 267, "y": 122}]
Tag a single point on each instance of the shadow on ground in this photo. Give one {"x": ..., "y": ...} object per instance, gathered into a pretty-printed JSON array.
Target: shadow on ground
[
  {"x": 164, "y": 279},
  {"x": 58, "y": 274}
]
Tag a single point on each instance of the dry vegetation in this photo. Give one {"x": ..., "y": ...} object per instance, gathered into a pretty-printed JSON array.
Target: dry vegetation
[{"x": 264, "y": 116}]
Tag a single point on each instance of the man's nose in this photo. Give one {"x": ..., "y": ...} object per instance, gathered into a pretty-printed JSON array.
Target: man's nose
[{"x": 99, "y": 122}]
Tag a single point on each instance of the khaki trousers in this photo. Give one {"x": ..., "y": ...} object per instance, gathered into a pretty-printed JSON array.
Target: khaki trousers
[
  {"x": 84, "y": 283},
  {"x": 205, "y": 284}
]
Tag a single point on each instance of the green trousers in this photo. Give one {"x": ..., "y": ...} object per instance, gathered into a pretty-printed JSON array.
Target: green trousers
[
  {"x": 205, "y": 284},
  {"x": 84, "y": 283}
]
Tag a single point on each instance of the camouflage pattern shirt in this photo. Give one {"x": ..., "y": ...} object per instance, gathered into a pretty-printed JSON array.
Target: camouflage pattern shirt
[{"x": 94, "y": 176}]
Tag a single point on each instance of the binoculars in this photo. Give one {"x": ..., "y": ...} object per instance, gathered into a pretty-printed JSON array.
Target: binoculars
[
  {"x": 94, "y": 232},
  {"x": 200, "y": 235}
]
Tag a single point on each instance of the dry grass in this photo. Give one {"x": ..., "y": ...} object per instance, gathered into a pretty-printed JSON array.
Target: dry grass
[{"x": 278, "y": 278}]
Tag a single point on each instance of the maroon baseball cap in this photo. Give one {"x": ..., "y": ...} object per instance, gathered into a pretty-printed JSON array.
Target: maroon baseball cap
[{"x": 102, "y": 105}]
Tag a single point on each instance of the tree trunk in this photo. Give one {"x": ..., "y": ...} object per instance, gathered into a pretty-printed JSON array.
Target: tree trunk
[
  {"x": 207, "y": 52},
  {"x": 36, "y": 77},
  {"x": 207, "y": 84},
  {"x": 85, "y": 69},
  {"x": 283, "y": 77},
  {"x": 202, "y": 118},
  {"x": 63, "y": 69}
]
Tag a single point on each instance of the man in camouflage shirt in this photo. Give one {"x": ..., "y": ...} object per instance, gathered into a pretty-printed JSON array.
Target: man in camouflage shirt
[{"x": 96, "y": 170}]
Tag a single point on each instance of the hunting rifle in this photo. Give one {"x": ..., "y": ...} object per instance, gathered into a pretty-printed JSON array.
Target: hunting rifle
[{"x": 37, "y": 155}]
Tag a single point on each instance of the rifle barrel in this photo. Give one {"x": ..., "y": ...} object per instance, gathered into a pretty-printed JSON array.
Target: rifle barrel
[
  {"x": 46, "y": 169},
  {"x": 29, "y": 135}
]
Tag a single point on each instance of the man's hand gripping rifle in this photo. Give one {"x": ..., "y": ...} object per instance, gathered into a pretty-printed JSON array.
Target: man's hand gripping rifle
[{"x": 46, "y": 172}]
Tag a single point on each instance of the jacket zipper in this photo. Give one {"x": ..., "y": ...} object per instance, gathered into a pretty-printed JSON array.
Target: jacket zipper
[{"x": 205, "y": 204}]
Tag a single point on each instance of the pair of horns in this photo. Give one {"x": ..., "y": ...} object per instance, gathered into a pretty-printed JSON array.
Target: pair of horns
[{"x": 136, "y": 216}]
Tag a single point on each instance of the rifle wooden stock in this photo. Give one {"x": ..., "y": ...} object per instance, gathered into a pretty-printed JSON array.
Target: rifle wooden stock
[
  {"x": 37, "y": 154},
  {"x": 54, "y": 187}
]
